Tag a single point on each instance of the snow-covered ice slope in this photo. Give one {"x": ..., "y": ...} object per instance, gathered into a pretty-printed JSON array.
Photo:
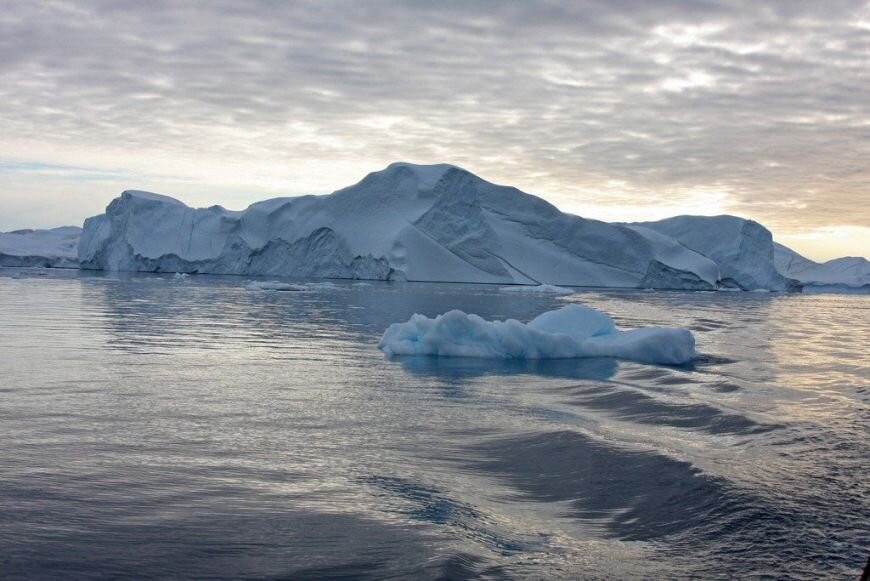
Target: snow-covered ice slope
[
  {"x": 56, "y": 247},
  {"x": 407, "y": 222},
  {"x": 743, "y": 249},
  {"x": 850, "y": 271},
  {"x": 570, "y": 332}
]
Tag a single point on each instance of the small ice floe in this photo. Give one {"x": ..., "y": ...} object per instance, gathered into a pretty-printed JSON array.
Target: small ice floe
[
  {"x": 570, "y": 332},
  {"x": 273, "y": 285},
  {"x": 760, "y": 290},
  {"x": 180, "y": 275},
  {"x": 323, "y": 286},
  {"x": 546, "y": 289},
  {"x": 362, "y": 284}
]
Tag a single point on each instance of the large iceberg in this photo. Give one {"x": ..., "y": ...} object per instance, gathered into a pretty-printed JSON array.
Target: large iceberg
[
  {"x": 850, "y": 272},
  {"x": 742, "y": 249},
  {"x": 573, "y": 331},
  {"x": 407, "y": 222},
  {"x": 55, "y": 248},
  {"x": 436, "y": 223}
]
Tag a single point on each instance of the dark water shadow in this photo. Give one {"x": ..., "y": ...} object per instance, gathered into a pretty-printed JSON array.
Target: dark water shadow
[
  {"x": 628, "y": 404},
  {"x": 229, "y": 543},
  {"x": 632, "y": 495},
  {"x": 225, "y": 532},
  {"x": 453, "y": 567},
  {"x": 705, "y": 360},
  {"x": 429, "y": 504}
]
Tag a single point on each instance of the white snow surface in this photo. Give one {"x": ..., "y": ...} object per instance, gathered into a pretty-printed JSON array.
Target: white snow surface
[
  {"x": 851, "y": 271},
  {"x": 406, "y": 222},
  {"x": 546, "y": 289},
  {"x": 56, "y": 247},
  {"x": 573, "y": 331}
]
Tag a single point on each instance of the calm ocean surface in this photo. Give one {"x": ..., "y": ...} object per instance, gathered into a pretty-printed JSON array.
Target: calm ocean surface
[{"x": 152, "y": 427}]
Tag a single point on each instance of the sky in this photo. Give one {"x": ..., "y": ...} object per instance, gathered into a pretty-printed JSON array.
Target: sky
[{"x": 623, "y": 110}]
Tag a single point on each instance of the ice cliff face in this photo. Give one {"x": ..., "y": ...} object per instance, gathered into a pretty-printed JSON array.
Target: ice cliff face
[
  {"x": 55, "y": 248},
  {"x": 850, "y": 271},
  {"x": 407, "y": 222},
  {"x": 427, "y": 223},
  {"x": 743, "y": 249}
]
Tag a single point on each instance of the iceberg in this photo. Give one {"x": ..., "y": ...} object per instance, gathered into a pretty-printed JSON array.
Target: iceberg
[
  {"x": 436, "y": 223},
  {"x": 742, "y": 249},
  {"x": 54, "y": 248},
  {"x": 574, "y": 331},
  {"x": 847, "y": 273},
  {"x": 433, "y": 223}
]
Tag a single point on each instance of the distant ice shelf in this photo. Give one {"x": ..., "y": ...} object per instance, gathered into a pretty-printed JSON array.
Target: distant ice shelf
[
  {"x": 847, "y": 274},
  {"x": 55, "y": 248}
]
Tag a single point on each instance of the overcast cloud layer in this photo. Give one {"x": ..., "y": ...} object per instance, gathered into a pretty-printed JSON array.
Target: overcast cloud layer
[{"x": 618, "y": 110}]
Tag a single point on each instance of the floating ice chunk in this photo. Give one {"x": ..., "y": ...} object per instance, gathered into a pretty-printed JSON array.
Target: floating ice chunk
[
  {"x": 273, "y": 285},
  {"x": 323, "y": 286},
  {"x": 539, "y": 289},
  {"x": 181, "y": 275},
  {"x": 570, "y": 332}
]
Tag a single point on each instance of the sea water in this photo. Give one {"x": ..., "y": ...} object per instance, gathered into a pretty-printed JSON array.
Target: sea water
[{"x": 153, "y": 427}]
